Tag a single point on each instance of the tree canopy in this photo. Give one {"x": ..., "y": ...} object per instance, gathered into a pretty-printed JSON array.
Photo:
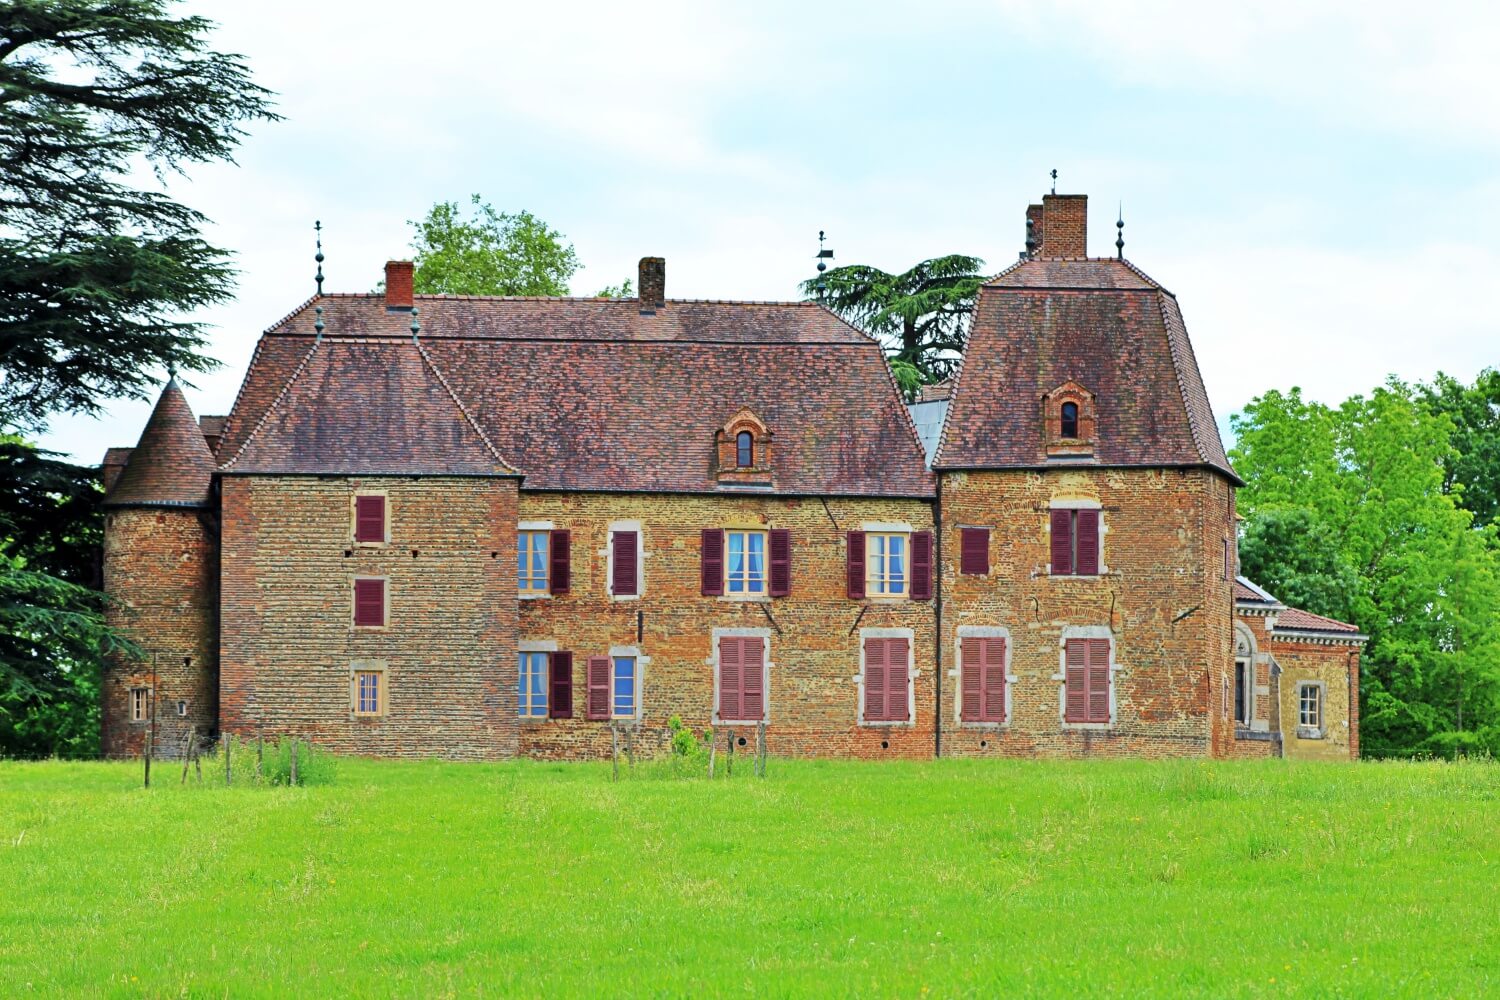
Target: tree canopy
[{"x": 489, "y": 253}]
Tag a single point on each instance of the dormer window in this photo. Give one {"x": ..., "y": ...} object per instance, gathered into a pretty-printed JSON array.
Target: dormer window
[
  {"x": 1070, "y": 420},
  {"x": 744, "y": 450}
]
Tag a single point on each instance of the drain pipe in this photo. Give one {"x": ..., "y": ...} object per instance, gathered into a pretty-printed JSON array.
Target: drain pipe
[{"x": 937, "y": 596}]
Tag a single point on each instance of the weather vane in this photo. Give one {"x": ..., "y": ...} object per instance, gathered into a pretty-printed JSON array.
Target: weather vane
[
  {"x": 1054, "y": 180},
  {"x": 824, "y": 254},
  {"x": 318, "y": 228}
]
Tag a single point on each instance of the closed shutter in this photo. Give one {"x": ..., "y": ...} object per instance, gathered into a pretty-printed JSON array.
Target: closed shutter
[
  {"x": 1098, "y": 680},
  {"x": 781, "y": 562},
  {"x": 731, "y": 678},
  {"x": 994, "y": 680},
  {"x": 560, "y": 577},
  {"x": 972, "y": 670},
  {"x": 753, "y": 679},
  {"x": 623, "y": 580},
  {"x": 369, "y": 519},
  {"x": 974, "y": 551},
  {"x": 560, "y": 668},
  {"x": 1088, "y": 543},
  {"x": 856, "y": 565},
  {"x": 711, "y": 564},
  {"x": 874, "y": 680},
  {"x": 369, "y": 602},
  {"x": 598, "y": 678},
  {"x": 1076, "y": 681},
  {"x": 897, "y": 708},
  {"x": 1062, "y": 542},
  {"x": 921, "y": 566}
]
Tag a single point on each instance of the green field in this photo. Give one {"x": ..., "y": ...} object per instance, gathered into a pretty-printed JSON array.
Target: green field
[{"x": 852, "y": 879}]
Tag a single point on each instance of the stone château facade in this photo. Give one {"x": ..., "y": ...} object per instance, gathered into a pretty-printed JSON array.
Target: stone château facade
[{"x": 490, "y": 527}]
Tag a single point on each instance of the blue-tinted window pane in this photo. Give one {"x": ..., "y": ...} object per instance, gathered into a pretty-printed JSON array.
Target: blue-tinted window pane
[
  {"x": 624, "y": 688},
  {"x": 736, "y": 562},
  {"x": 532, "y": 694}
]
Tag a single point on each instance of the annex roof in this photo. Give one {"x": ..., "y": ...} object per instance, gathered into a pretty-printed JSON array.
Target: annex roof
[{"x": 171, "y": 466}]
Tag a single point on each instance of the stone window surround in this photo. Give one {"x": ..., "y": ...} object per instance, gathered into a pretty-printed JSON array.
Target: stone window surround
[
  {"x": 145, "y": 715},
  {"x": 713, "y": 663},
  {"x": 1256, "y": 727},
  {"x": 1061, "y": 677},
  {"x": 383, "y": 691},
  {"x": 545, "y": 593},
  {"x": 641, "y": 662},
  {"x": 1319, "y": 731},
  {"x": 1078, "y": 503},
  {"x": 885, "y": 528},
  {"x": 354, "y": 518},
  {"x": 980, "y": 632},
  {"x": 640, "y": 561},
  {"x": 912, "y": 673},
  {"x": 385, "y": 601},
  {"x": 535, "y": 646}
]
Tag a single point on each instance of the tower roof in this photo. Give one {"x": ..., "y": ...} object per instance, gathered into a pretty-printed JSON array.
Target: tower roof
[{"x": 172, "y": 466}]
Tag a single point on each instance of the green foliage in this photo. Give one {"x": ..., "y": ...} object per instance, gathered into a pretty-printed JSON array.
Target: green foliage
[
  {"x": 314, "y": 766},
  {"x": 623, "y": 290},
  {"x": 1472, "y": 469},
  {"x": 921, "y": 315},
  {"x": 93, "y": 270},
  {"x": 908, "y": 378},
  {"x": 489, "y": 253},
  {"x": 1351, "y": 514}
]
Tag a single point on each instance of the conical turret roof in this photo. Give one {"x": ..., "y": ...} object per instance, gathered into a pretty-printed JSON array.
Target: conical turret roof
[{"x": 172, "y": 466}]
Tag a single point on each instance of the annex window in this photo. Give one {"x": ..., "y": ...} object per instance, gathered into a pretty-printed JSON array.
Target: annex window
[
  {"x": 614, "y": 687},
  {"x": 887, "y": 679},
  {"x": 1244, "y": 700},
  {"x": 982, "y": 679},
  {"x": 742, "y": 671},
  {"x": 532, "y": 694},
  {"x": 1075, "y": 542},
  {"x": 885, "y": 564},
  {"x": 890, "y": 564},
  {"x": 1086, "y": 680},
  {"x": 744, "y": 449},
  {"x": 369, "y": 519},
  {"x": 623, "y": 689},
  {"x": 1069, "y": 416},
  {"x": 140, "y": 704},
  {"x": 746, "y": 569},
  {"x": 369, "y": 602},
  {"x": 369, "y": 692},
  {"x": 1309, "y": 709},
  {"x": 532, "y": 549}
]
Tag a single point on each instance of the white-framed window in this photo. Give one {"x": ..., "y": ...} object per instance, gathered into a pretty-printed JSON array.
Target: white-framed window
[
  {"x": 886, "y": 570},
  {"x": 531, "y": 562},
  {"x": 140, "y": 704},
  {"x": 367, "y": 688},
  {"x": 532, "y": 694},
  {"x": 745, "y": 568},
  {"x": 1310, "y": 710},
  {"x": 624, "y": 687}
]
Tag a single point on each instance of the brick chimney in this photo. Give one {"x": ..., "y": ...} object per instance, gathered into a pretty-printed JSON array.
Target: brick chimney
[
  {"x": 398, "y": 284},
  {"x": 653, "y": 284},
  {"x": 1064, "y": 229}
]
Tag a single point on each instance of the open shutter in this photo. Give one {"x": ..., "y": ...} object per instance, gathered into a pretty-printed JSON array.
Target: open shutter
[
  {"x": 1076, "y": 674},
  {"x": 369, "y": 519},
  {"x": 1062, "y": 542},
  {"x": 1088, "y": 543},
  {"x": 598, "y": 706},
  {"x": 623, "y": 580},
  {"x": 369, "y": 602},
  {"x": 731, "y": 682},
  {"x": 897, "y": 708},
  {"x": 921, "y": 566},
  {"x": 856, "y": 565},
  {"x": 560, "y": 577},
  {"x": 781, "y": 562},
  {"x": 1098, "y": 680},
  {"x": 974, "y": 551},
  {"x": 874, "y": 680},
  {"x": 971, "y": 670},
  {"x": 560, "y": 669},
  {"x": 711, "y": 564},
  {"x": 753, "y": 679},
  {"x": 994, "y": 680}
]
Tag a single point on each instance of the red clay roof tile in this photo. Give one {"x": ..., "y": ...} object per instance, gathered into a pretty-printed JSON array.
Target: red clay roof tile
[{"x": 171, "y": 466}]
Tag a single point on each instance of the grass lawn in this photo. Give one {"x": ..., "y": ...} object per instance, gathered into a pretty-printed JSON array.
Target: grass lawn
[{"x": 943, "y": 878}]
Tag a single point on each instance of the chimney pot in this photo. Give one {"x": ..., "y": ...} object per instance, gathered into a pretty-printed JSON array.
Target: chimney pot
[
  {"x": 398, "y": 284},
  {"x": 653, "y": 283}
]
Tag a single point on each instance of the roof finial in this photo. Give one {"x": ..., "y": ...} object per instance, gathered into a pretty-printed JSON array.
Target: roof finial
[
  {"x": 318, "y": 325},
  {"x": 1054, "y": 180},
  {"x": 1120, "y": 234},
  {"x": 318, "y": 228},
  {"x": 1030, "y": 238},
  {"x": 416, "y": 327},
  {"x": 824, "y": 254}
]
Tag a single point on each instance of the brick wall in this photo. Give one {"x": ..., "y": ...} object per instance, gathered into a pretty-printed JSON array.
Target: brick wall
[
  {"x": 814, "y": 634},
  {"x": 288, "y": 638},
  {"x": 1065, "y": 225},
  {"x": 161, "y": 574},
  {"x": 1161, "y": 546}
]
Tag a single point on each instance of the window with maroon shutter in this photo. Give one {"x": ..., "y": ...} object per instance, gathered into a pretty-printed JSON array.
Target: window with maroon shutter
[
  {"x": 1086, "y": 678},
  {"x": 369, "y": 602},
  {"x": 369, "y": 519},
  {"x": 974, "y": 551},
  {"x": 1086, "y": 542},
  {"x": 561, "y": 680},
  {"x": 856, "y": 565},
  {"x": 886, "y": 676},
  {"x": 711, "y": 565},
  {"x": 1062, "y": 542},
  {"x": 626, "y": 562},
  {"x": 781, "y": 562},
  {"x": 983, "y": 679},
  {"x": 1098, "y": 680},
  {"x": 742, "y": 666},
  {"x": 562, "y": 565},
  {"x": 598, "y": 684},
  {"x": 921, "y": 565}
]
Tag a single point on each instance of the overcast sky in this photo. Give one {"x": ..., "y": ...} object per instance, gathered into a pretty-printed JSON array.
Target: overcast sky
[{"x": 1317, "y": 183}]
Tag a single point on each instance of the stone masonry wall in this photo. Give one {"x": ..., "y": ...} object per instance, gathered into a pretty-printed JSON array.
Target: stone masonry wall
[
  {"x": 1332, "y": 665},
  {"x": 289, "y": 643}
]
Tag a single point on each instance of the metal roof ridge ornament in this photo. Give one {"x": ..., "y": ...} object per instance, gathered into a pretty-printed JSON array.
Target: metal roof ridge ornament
[
  {"x": 1120, "y": 234},
  {"x": 824, "y": 255},
  {"x": 318, "y": 229},
  {"x": 416, "y": 327},
  {"x": 318, "y": 325}
]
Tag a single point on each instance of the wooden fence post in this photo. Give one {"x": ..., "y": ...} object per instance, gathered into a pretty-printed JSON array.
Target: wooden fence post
[
  {"x": 614, "y": 752},
  {"x": 148, "y": 758},
  {"x": 294, "y": 760},
  {"x": 630, "y": 746},
  {"x": 760, "y": 747},
  {"x": 187, "y": 753},
  {"x": 197, "y": 758},
  {"x": 729, "y": 763},
  {"x": 225, "y": 737},
  {"x": 260, "y": 754},
  {"x": 713, "y": 749}
]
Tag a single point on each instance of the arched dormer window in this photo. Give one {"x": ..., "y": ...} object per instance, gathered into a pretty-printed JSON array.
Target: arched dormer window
[
  {"x": 1070, "y": 420},
  {"x": 744, "y": 450}
]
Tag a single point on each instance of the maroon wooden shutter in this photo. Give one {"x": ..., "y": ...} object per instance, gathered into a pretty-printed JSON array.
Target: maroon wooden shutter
[
  {"x": 561, "y": 670},
  {"x": 561, "y": 571},
  {"x": 624, "y": 577},
  {"x": 921, "y": 566},
  {"x": 1076, "y": 681},
  {"x": 711, "y": 565},
  {"x": 369, "y": 519},
  {"x": 1062, "y": 542},
  {"x": 974, "y": 551},
  {"x": 731, "y": 678},
  {"x": 598, "y": 678},
  {"x": 897, "y": 708},
  {"x": 856, "y": 565},
  {"x": 1088, "y": 543},
  {"x": 781, "y": 562},
  {"x": 874, "y": 680},
  {"x": 994, "y": 680},
  {"x": 1098, "y": 654},
  {"x": 753, "y": 679},
  {"x": 369, "y": 602},
  {"x": 972, "y": 670}
]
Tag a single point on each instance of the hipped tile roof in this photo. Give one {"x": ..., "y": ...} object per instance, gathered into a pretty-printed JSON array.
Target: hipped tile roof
[
  {"x": 1101, "y": 323},
  {"x": 171, "y": 466},
  {"x": 1305, "y": 621}
]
